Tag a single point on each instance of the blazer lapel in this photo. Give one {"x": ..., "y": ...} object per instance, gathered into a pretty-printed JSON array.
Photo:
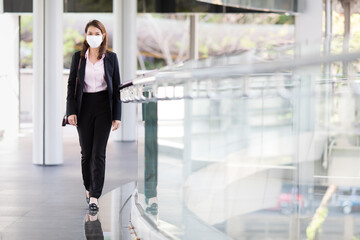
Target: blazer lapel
[{"x": 108, "y": 67}]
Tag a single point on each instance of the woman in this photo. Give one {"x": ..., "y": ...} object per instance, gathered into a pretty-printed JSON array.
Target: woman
[{"x": 93, "y": 105}]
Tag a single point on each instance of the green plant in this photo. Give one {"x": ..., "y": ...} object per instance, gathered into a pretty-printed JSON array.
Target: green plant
[
  {"x": 71, "y": 42},
  {"x": 315, "y": 225}
]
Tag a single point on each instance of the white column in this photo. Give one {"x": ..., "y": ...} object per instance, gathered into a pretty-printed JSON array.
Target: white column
[
  {"x": 347, "y": 15},
  {"x": 194, "y": 43},
  {"x": 328, "y": 35},
  {"x": 48, "y": 65},
  {"x": 308, "y": 36},
  {"x": 38, "y": 75},
  {"x": 9, "y": 76},
  {"x": 308, "y": 23},
  {"x": 194, "y": 55},
  {"x": 125, "y": 45},
  {"x": 327, "y": 51},
  {"x": 328, "y": 18}
]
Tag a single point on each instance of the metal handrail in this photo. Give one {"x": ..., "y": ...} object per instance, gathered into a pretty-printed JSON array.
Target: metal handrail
[
  {"x": 208, "y": 77},
  {"x": 241, "y": 69}
]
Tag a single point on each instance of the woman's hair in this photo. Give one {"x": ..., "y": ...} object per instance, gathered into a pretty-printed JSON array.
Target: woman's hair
[{"x": 103, "y": 46}]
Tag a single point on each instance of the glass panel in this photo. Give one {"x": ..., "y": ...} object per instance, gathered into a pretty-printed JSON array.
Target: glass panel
[
  {"x": 267, "y": 155},
  {"x": 265, "y": 5}
]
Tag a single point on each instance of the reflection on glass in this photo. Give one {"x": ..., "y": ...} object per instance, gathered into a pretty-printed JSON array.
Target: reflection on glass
[
  {"x": 151, "y": 157},
  {"x": 93, "y": 230},
  {"x": 275, "y": 5},
  {"x": 266, "y": 156}
]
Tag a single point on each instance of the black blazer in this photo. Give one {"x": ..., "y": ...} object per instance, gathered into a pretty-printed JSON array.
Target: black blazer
[{"x": 112, "y": 78}]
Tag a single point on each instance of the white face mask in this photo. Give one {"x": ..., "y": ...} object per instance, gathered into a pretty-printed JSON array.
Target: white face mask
[{"x": 94, "y": 40}]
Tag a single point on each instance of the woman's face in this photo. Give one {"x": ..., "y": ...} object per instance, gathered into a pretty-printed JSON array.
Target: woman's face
[{"x": 93, "y": 31}]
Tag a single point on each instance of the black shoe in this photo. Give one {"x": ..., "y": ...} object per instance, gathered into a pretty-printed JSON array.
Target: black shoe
[
  {"x": 93, "y": 213},
  {"x": 153, "y": 209},
  {"x": 93, "y": 207},
  {"x": 87, "y": 199}
]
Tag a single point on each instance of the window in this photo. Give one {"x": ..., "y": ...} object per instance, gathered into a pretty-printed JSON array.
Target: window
[
  {"x": 88, "y": 6},
  {"x": 18, "y": 6}
]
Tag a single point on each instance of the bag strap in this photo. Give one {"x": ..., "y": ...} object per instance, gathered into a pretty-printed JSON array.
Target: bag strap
[{"x": 77, "y": 77}]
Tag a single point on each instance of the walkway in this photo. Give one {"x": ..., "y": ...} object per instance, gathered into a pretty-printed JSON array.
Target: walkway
[{"x": 49, "y": 202}]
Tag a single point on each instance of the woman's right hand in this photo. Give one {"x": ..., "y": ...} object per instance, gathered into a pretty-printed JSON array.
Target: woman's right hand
[{"x": 72, "y": 120}]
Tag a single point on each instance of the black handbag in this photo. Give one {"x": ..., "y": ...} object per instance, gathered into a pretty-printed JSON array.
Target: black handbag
[{"x": 65, "y": 119}]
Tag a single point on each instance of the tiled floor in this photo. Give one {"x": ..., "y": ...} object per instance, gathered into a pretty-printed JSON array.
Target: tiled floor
[{"x": 38, "y": 202}]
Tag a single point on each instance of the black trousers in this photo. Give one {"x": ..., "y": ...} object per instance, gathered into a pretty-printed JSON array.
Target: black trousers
[
  {"x": 93, "y": 230},
  {"x": 94, "y": 125}
]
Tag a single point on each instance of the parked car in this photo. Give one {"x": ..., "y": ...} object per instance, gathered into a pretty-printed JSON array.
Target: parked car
[
  {"x": 290, "y": 200},
  {"x": 348, "y": 199}
]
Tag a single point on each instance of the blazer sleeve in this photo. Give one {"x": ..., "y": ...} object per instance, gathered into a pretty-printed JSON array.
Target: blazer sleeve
[
  {"x": 70, "y": 99},
  {"x": 116, "y": 90}
]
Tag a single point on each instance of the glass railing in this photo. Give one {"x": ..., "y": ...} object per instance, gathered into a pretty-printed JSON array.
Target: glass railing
[{"x": 250, "y": 151}]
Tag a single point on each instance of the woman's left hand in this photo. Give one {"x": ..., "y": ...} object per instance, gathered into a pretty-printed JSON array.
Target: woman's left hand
[{"x": 115, "y": 124}]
